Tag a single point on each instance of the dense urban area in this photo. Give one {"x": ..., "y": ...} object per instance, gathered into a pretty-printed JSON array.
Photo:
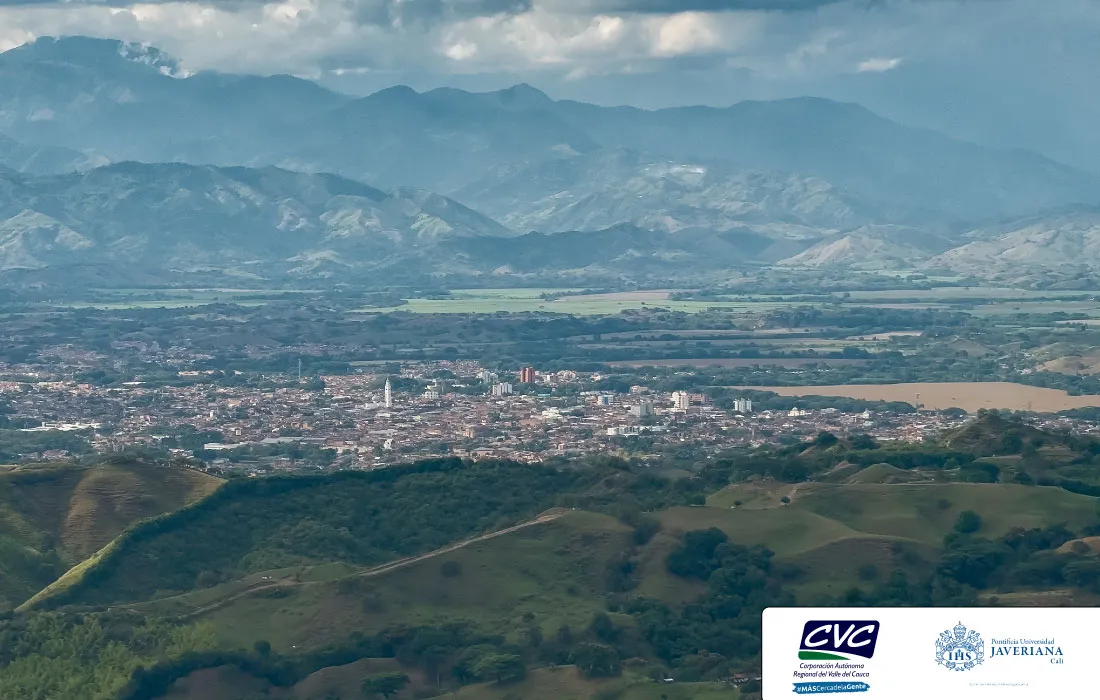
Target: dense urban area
[{"x": 367, "y": 420}]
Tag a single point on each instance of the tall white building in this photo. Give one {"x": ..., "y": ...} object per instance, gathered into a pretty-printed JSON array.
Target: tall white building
[
  {"x": 389, "y": 394},
  {"x": 742, "y": 405},
  {"x": 681, "y": 400},
  {"x": 502, "y": 389}
]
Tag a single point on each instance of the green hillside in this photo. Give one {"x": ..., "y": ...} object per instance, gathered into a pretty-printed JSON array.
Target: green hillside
[
  {"x": 552, "y": 573},
  {"x": 478, "y": 579},
  {"x": 358, "y": 518},
  {"x": 556, "y": 573},
  {"x": 56, "y": 515}
]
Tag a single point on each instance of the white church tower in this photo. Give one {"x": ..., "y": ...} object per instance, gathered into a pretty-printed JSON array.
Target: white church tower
[{"x": 389, "y": 394}]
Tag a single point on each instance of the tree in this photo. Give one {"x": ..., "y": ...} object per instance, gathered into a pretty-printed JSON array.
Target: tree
[
  {"x": 968, "y": 522},
  {"x": 385, "y": 684},
  {"x": 451, "y": 569},
  {"x": 262, "y": 647},
  {"x": 501, "y": 667},
  {"x": 825, "y": 439},
  {"x": 785, "y": 500},
  {"x": 598, "y": 660},
  {"x": 601, "y": 627},
  {"x": 863, "y": 442}
]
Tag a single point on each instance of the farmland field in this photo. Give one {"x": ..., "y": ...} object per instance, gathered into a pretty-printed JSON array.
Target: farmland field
[
  {"x": 649, "y": 295},
  {"x": 970, "y": 396},
  {"x": 473, "y": 301},
  {"x": 744, "y": 362}
]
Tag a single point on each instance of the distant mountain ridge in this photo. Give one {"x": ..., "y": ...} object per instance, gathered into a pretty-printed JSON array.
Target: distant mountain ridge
[
  {"x": 134, "y": 103},
  {"x": 177, "y": 216},
  {"x": 807, "y": 181},
  {"x": 599, "y": 189},
  {"x": 44, "y": 160}
]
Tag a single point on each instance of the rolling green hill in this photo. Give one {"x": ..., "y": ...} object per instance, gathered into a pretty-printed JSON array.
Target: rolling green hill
[
  {"x": 476, "y": 579},
  {"x": 358, "y": 518},
  {"x": 555, "y": 573},
  {"x": 54, "y": 516}
]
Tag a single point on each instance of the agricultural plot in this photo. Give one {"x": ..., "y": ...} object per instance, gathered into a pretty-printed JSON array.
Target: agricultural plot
[
  {"x": 742, "y": 362},
  {"x": 969, "y": 396}
]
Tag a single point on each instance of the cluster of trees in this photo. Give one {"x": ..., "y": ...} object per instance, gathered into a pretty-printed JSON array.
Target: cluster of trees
[
  {"x": 719, "y": 633},
  {"x": 51, "y": 655}
]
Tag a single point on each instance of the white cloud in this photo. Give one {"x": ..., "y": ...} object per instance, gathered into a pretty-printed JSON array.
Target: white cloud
[
  {"x": 878, "y": 65},
  {"x": 684, "y": 33},
  {"x": 461, "y": 51}
]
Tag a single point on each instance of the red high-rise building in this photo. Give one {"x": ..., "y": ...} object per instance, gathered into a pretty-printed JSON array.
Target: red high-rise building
[{"x": 527, "y": 375}]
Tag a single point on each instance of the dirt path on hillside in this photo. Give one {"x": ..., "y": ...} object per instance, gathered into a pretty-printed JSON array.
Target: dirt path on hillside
[{"x": 365, "y": 573}]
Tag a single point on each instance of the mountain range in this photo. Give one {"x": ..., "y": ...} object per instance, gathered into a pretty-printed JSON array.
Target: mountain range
[
  {"x": 115, "y": 154},
  {"x": 178, "y": 216}
]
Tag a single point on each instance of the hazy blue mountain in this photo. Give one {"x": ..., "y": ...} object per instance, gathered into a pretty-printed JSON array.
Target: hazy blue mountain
[
  {"x": 626, "y": 192},
  {"x": 849, "y": 146},
  {"x": 131, "y": 102},
  {"x": 872, "y": 247},
  {"x": 1058, "y": 242},
  {"x": 440, "y": 139},
  {"x": 601, "y": 189},
  {"x": 126, "y": 101},
  {"x": 625, "y": 250},
  {"x": 122, "y": 223},
  {"x": 43, "y": 160},
  {"x": 246, "y": 221}
]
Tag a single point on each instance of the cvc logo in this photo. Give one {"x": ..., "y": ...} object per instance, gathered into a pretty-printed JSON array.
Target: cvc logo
[{"x": 838, "y": 640}]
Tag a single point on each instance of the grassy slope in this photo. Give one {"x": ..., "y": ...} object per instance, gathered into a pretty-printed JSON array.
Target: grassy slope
[
  {"x": 228, "y": 683},
  {"x": 254, "y": 525},
  {"x": 553, "y": 571},
  {"x": 832, "y": 530},
  {"x": 925, "y": 513},
  {"x": 57, "y": 515}
]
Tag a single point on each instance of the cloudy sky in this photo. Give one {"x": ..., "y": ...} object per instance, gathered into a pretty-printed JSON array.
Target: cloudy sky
[{"x": 1006, "y": 72}]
